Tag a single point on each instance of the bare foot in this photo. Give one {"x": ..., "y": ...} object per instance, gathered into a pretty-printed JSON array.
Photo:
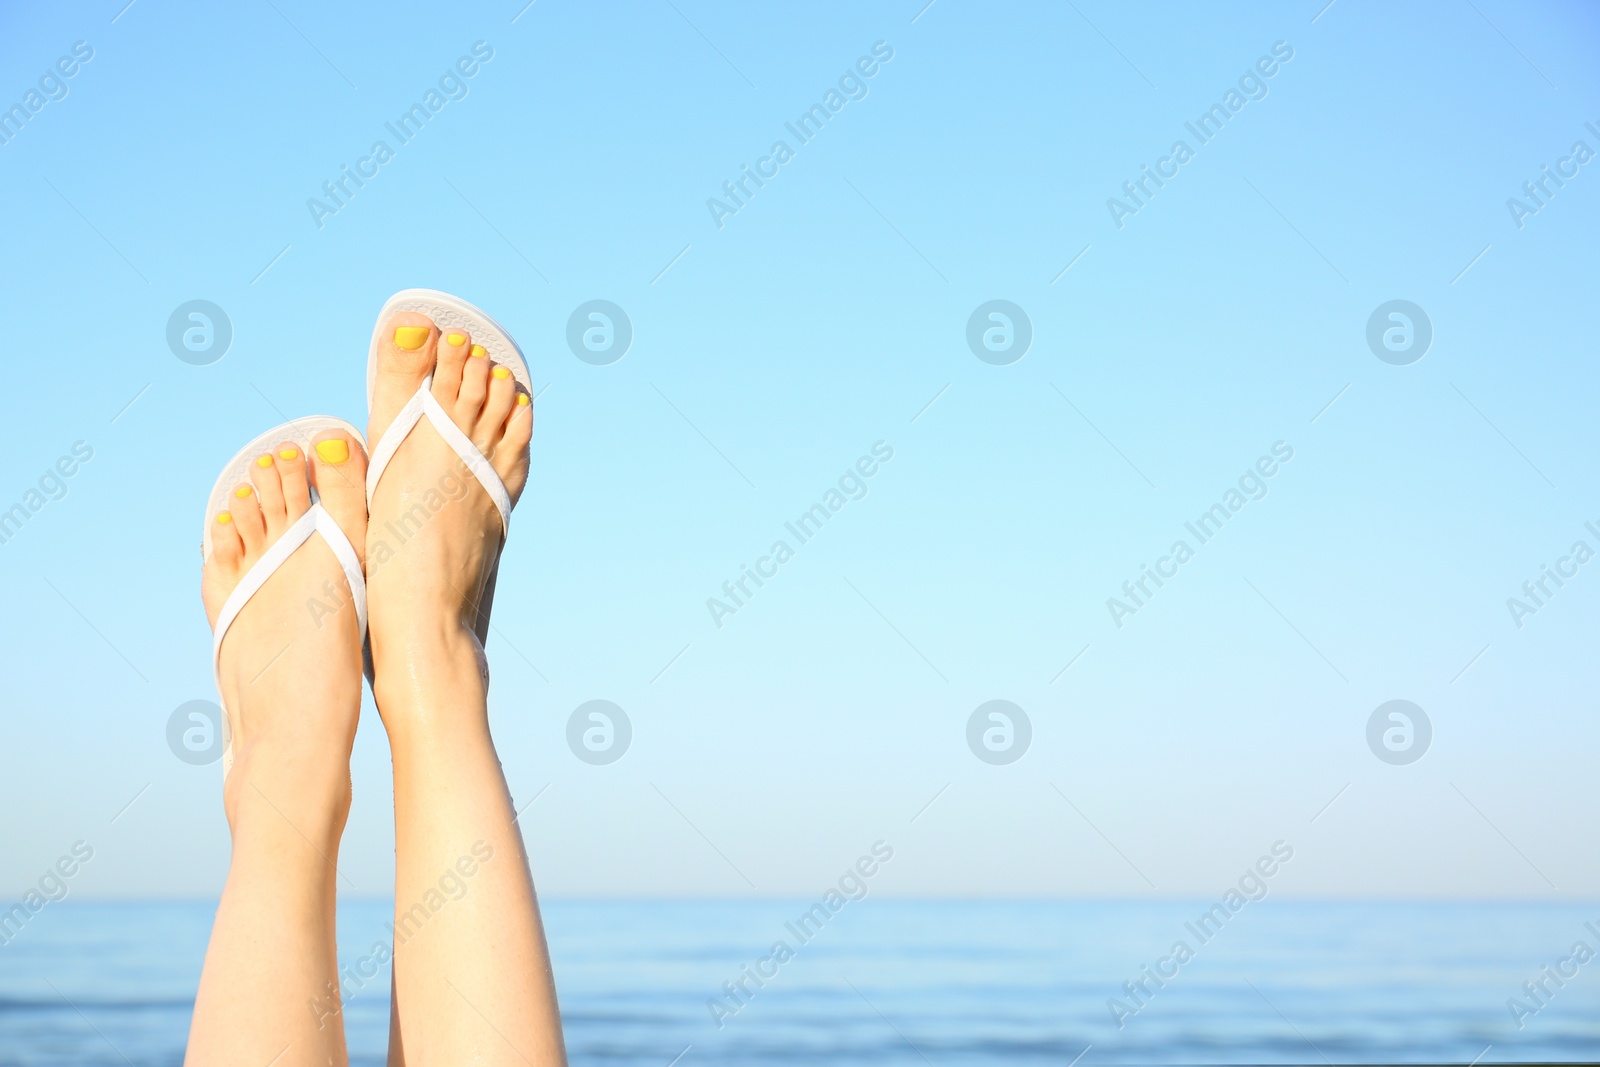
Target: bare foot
[
  {"x": 434, "y": 535},
  {"x": 291, "y": 661}
]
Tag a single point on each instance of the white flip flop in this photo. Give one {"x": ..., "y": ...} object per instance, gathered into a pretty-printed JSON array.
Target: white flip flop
[
  {"x": 447, "y": 312},
  {"x": 315, "y": 520}
]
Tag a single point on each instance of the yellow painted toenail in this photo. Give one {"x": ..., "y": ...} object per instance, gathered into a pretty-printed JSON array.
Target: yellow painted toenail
[
  {"x": 333, "y": 451},
  {"x": 289, "y": 453},
  {"x": 457, "y": 339},
  {"x": 480, "y": 351},
  {"x": 522, "y": 400},
  {"x": 242, "y": 492},
  {"x": 224, "y": 518},
  {"x": 264, "y": 461},
  {"x": 501, "y": 373},
  {"x": 410, "y": 338}
]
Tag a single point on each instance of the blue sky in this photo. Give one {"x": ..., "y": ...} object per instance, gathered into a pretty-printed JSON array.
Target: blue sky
[{"x": 770, "y": 353}]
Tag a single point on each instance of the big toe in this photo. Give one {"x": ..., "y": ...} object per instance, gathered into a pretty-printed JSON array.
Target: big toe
[
  {"x": 339, "y": 471},
  {"x": 407, "y": 349}
]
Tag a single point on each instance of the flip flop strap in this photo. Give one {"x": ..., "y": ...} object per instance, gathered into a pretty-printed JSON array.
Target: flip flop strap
[
  {"x": 424, "y": 405},
  {"x": 317, "y": 520}
]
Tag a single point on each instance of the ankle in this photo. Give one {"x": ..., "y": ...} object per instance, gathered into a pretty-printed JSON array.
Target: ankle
[
  {"x": 414, "y": 665},
  {"x": 295, "y": 792},
  {"x": 435, "y": 699}
]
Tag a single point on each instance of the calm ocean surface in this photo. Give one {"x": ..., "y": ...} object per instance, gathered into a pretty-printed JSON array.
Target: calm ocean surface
[{"x": 889, "y": 982}]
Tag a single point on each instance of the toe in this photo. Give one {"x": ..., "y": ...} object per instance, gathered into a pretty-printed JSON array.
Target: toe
[
  {"x": 492, "y": 420},
  {"x": 510, "y": 456},
  {"x": 455, "y": 348},
  {"x": 339, "y": 471},
  {"x": 474, "y": 387},
  {"x": 291, "y": 465},
  {"x": 405, "y": 357},
  {"x": 409, "y": 338},
  {"x": 245, "y": 508},
  {"x": 269, "y": 495},
  {"x": 226, "y": 547},
  {"x": 226, "y": 564}
]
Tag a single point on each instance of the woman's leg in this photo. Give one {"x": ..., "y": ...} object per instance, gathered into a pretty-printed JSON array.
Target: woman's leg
[
  {"x": 472, "y": 980},
  {"x": 291, "y": 681}
]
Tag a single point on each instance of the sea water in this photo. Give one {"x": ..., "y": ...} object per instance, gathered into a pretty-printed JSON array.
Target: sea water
[{"x": 903, "y": 982}]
